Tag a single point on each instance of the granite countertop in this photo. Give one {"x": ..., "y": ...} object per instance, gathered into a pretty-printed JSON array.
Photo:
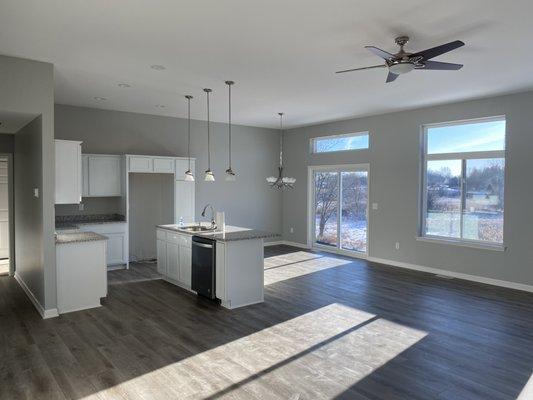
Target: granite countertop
[
  {"x": 231, "y": 233},
  {"x": 78, "y": 237},
  {"x": 74, "y": 221}
]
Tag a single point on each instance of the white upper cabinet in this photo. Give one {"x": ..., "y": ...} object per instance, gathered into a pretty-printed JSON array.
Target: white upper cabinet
[
  {"x": 140, "y": 164},
  {"x": 68, "y": 172},
  {"x": 182, "y": 165},
  {"x": 163, "y": 165},
  {"x": 101, "y": 175},
  {"x": 184, "y": 201}
]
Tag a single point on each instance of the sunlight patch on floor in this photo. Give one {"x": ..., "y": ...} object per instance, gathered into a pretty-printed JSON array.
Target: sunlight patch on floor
[
  {"x": 293, "y": 265},
  {"x": 4, "y": 266},
  {"x": 336, "y": 345}
]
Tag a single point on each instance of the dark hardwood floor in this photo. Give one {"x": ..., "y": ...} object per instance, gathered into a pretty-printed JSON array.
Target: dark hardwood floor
[{"x": 330, "y": 327}]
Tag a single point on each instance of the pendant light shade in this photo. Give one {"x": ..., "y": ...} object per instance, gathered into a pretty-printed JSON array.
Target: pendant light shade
[
  {"x": 209, "y": 176},
  {"x": 230, "y": 175},
  {"x": 281, "y": 182},
  {"x": 189, "y": 176}
]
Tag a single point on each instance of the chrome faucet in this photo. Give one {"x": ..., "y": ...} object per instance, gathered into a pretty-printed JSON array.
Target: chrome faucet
[{"x": 213, "y": 223}]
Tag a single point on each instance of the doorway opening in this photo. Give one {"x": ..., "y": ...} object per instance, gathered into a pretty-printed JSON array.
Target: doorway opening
[
  {"x": 5, "y": 216},
  {"x": 338, "y": 209}
]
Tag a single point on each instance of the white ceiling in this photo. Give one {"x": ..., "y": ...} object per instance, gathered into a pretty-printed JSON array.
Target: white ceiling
[{"x": 281, "y": 53}]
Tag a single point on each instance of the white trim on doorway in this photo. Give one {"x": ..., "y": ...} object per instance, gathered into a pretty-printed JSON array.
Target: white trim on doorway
[{"x": 310, "y": 205}]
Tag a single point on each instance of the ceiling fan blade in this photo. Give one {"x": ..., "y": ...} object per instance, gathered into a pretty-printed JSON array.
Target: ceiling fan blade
[
  {"x": 391, "y": 77},
  {"x": 380, "y": 53},
  {"x": 360, "y": 69},
  {"x": 443, "y": 66},
  {"x": 437, "y": 51}
]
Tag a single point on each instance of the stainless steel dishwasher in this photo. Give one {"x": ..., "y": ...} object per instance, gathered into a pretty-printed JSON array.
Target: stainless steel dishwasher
[{"x": 203, "y": 266}]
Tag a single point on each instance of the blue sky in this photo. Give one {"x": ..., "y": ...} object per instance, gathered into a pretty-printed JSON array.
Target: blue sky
[
  {"x": 481, "y": 136},
  {"x": 342, "y": 143}
]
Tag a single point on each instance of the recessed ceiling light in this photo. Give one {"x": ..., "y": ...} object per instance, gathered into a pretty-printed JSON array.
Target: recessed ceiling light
[
  {"x": 100, "y": 98},
  {"x": 160, "y": 105},
  {"x": 158, "y": 67},
  {"x": 124, "y": 85}
]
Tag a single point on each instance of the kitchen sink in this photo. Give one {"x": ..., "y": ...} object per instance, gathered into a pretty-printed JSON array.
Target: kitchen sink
[{"x": 198, "y": 228}]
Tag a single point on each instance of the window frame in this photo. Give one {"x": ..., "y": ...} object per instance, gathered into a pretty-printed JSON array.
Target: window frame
[
  {"x": 313, "y": 140},
  {"x": 463, "y": 157}
]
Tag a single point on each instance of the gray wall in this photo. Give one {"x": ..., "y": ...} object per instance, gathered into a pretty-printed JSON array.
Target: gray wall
[
  {"x": 151, "y": 204},
  {"x": 7, "y": 143},
  {"x": 27, "y": 87},
  {"x": 28, "y": 210},
  {"x": 248, "y": 202},
  {"x": 92, "y": 205},
  {"x": 394, "y": 185}
]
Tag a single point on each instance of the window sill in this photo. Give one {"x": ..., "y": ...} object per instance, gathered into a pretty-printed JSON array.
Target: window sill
[{"x": 462, "y": 243}]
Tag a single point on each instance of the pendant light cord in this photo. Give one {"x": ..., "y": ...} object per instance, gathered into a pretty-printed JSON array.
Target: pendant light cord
[
  {"x": 281, "y": 140},
  {"x": 229, "y": 120},
  {"x": 208, "y": 136},
  {"x": 189, "y": 129}
]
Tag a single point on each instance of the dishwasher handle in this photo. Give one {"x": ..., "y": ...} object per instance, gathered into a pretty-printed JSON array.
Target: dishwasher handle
[{"x": 207, "y": 246}]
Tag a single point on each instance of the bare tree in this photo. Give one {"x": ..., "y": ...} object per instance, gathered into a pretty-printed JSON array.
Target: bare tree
[{"x": 326, "y": 198}]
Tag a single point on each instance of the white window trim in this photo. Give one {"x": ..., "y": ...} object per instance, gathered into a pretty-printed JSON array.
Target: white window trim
[
  {"x": 312, "y": 142},
  {"x": 425, "y": 157}
]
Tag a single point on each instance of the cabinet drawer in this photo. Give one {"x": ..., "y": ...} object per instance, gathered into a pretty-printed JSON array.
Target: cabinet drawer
[
  {"x": 161, "y": 234},
  {"x": 185, "y": 240},
  {"x": 173, "y": 237}
]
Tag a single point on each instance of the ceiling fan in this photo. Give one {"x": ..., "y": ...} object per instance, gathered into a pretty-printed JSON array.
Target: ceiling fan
[{"x": 403, "y": 62}]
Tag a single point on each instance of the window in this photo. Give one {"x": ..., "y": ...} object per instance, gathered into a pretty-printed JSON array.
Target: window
[
  {"x": 463, "y": 181},
  {"x": 349, "y": 141}
]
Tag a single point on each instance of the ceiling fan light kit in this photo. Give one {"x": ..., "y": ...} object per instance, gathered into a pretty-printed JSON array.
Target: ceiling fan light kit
[{"x": 404, "y": 62}]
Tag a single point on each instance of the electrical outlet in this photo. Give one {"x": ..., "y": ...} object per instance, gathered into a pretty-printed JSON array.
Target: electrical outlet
[
  {"x": 292, "y": 229},
  {"x": 397, "y": 245}
]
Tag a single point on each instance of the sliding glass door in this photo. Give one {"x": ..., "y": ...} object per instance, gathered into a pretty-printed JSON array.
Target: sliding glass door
[{"x": 339, "y": 208}]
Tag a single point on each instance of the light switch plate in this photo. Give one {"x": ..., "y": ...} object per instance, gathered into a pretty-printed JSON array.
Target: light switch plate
[
  {"x": 36, "y": 192},
  {"x": 374, "y": 206}
]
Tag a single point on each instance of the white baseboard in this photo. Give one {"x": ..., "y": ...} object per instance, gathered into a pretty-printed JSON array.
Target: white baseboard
[
  {"x": 287, "y": 243},
  {"x": 473, "y": 278},
  {"x": 45, "y": 313}
]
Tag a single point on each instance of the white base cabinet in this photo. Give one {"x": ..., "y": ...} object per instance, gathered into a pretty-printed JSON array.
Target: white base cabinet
[
  {"x": 174, "y": 257},
  {"x": 81, "y": 275},
  {"x": 117, "y": 245}
]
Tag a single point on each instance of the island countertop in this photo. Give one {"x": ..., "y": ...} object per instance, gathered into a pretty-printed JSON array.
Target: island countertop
[
  {"x": 231, "y": 233},
  {"x": 78, "y": 237}
]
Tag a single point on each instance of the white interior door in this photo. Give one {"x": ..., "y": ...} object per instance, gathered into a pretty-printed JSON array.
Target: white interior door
[
  {"x": 4, "y": 210},
  {"x": 339, "y": 208}
]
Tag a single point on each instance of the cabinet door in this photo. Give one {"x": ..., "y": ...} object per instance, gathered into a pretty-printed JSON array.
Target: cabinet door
[
  {"x": 184, "y": 201},
  {"x": 173, "y": 259},
  {"x": 85, "y": 175},
  {"x": 104, "y": 176},
  {"x": 68, "y": 172},
  {"x": 182, "y": 165},
  {"x": 141, "y": 164},
  {"x": 164, "y": 165},
  {"x": 115, "y": 248},
  {"x": 161, "y": 257},
  {"x": 185, "y": 265}
]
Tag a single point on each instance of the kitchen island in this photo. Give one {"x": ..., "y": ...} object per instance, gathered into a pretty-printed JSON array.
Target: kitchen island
[{"x": 239, "y": 261}]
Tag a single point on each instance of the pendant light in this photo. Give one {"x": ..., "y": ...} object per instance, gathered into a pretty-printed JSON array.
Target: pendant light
[
  {"x": 281, "y": 182},
  {"x": 188, "y": 174},
  {"x": 230, "y": 175},
  {"x": 209, "y": 177}
]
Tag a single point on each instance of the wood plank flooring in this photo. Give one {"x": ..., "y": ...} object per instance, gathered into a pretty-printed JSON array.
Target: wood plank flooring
[{"x": 330, "y": 328}]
